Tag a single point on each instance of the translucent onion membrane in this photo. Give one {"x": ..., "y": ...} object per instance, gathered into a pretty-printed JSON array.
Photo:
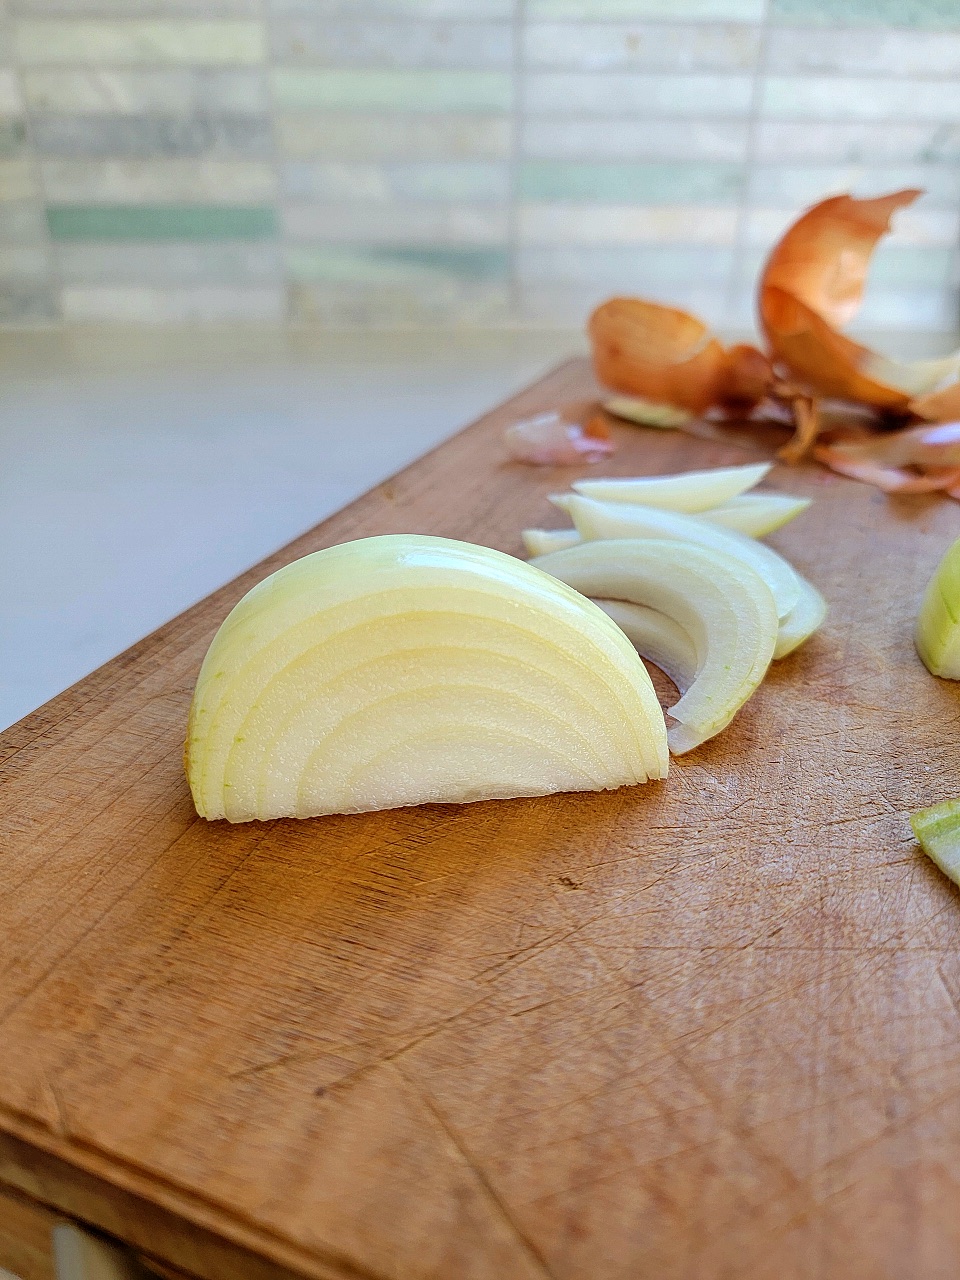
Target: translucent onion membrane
[
  {"x": 722, "y": 605},
  {"x": 666, "y": 356},
  {"x": 549, "y": 439},
  {"x": 404, "y": 669},
  {"x": 938, "y": 831},
  {"x": 812, "y": 286},
  {"x": 606, "y": 520},
  {"x": 937, "y": 633},
  {"x": 806, "y": 617},
  {"x": 658, "y": 638},
  {"x": 914, "y": 460}
]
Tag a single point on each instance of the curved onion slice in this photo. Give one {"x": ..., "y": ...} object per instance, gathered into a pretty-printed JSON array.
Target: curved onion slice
[
  {"x": 757, "y": 514},
  {"x": 687, "y": 491},
  {"x": 668, "y": 357},
  {"x": 938, "y": 831},
  {"x": 725, "y": 608},
  {"x": 604, "y": 520},
  {"x": 401, "y": 670},
  {"x": 812, "y": 286},
  {"x": 802, "y": 621},
  {"x": 937, "y": 634},
  {"x": 539, "y": 542},
  {"x": 658, "y": 638}
]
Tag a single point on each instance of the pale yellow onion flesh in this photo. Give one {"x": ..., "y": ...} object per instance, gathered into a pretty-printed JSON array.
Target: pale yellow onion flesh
[
  {"x": 938, "y": 831},
  {"x": 647, "y": 413},
  {"x": 723, "y": 605},
  {"x": 403, "y": 669},
  {"x": 604, "y": 520},
  {"x": 802, "y": 621},
  {"x": 689, "y": 491},
  {"x": 757, "y": 514},
  {"x": 539, "y": 542},
  {"x": 937, "y": 633},
  {"x": 658, "y": 638}
]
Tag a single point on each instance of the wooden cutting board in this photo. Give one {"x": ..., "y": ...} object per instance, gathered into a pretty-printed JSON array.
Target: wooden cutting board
[{"x": 707, "y": 1028}]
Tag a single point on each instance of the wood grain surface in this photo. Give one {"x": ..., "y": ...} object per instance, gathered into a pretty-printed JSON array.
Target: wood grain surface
[{"x": 707, "y": 1028}]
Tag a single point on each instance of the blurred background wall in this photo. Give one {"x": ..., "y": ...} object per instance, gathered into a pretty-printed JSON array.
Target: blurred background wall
[{"x": 460, "y": 162}]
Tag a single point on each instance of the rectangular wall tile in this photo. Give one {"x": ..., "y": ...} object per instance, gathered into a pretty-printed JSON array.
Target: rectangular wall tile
[
  {"x": 927, "y": 309},
  {"x": 13, "y": 137},
  {"x": 619, "y": 93},
  {"x": 153, "y": 135},
  {"x": 858, "y": 52},
  {"x": 627, "y": 224},
  {"x": 867, "y": 144},
  {"x": 17, "y": 180},
  {"x": 22, "y": 223},
  {"x": 424, "y": 10},
  {"x": 397, "y": 224},
  {"x": 676, "y": 48},
  {"x": 938, "y": 228},
  {"x": 330, "y": 181},
  {"x": 164, "y": 181},
  {"x": 937, "y": 14},
  {"x": 341, "y": 135},
  {"x": 206, "y": 305},
  {"x": 11, "y": 103},
  {"x": 385, "y": 43},
  {"x": 159, "y": 222},
  {"x": 634, "y": 10},
  {"x": 24, "y": 302},
  {"x": 633, "y": 269},
  {"x": 349, "y": 90},
  {"x": 122, "y": 8},
  {"x": 160, "y": 265},
  {"x": 145, "y": 41},
  {"x": 390, "y": 265},
  {"x": 863, "y": 98},
  {"x": 637, "y": 140},
  {"x": 180, "y": 93},
  {"x": 415, "y": 305},
  {"x": 21, "y": 261},
  {"x": 551, "y": 180},
  {"x": 795, "y": 188}
]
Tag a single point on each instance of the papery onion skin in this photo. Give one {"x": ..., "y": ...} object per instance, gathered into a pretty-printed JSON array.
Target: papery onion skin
[
  {"x": 669, "y": 357},
  {"x": 406, "y": 669}
]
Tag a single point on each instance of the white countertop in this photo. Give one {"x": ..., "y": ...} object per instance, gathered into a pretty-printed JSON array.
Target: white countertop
[{"x": 142, "y": 469}]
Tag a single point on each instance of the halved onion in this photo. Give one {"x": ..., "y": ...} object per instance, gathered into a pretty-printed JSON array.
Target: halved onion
[
  {"x": 401, "y": 670},
  {"x": 603, "y": 520},
  {"x": 938, "y": 831},
  {"x": 722, "y": 604},
  {"x": 687, "y": 491},
  {"x": 657, "y": 637},
  {"x": 937, "y": 633},
  {"x": 802, "y": 621}
]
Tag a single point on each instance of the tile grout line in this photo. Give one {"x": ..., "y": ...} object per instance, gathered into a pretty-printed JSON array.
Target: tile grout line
[
  {"x": 744, "y": 205},
  {"x": 54, "y": 277},
  {"x": 266, "y": 66},
  {"x": 517, "y": 115}
]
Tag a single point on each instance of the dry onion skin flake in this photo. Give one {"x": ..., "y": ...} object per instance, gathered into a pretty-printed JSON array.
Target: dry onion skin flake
[{"x": 404, "y": 669}]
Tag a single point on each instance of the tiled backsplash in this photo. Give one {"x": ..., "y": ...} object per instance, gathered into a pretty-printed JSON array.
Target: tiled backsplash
[{"x": 393, "y": 162}]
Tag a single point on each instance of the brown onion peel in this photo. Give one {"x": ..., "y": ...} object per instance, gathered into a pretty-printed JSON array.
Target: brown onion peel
[{"x": 667, "y": 356}]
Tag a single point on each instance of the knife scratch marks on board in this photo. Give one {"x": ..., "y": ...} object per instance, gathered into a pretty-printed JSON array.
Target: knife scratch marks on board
[{"x": 454, "y": 1139}]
